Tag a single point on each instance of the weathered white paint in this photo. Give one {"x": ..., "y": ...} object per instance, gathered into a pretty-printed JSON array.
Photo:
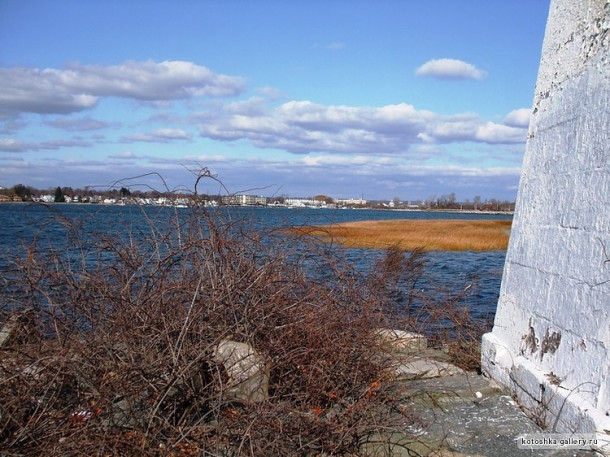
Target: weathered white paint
[{"x": 551, "y": 338}]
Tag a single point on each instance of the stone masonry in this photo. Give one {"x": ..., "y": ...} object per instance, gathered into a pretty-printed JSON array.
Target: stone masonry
[{"x": 550, "y": 344}]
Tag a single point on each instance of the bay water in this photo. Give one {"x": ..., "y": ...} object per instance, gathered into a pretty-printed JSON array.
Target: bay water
[{"x": 477, "y": 273}]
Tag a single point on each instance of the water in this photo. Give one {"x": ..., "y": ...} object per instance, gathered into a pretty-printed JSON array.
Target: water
[{"x": 478, "y": 273}]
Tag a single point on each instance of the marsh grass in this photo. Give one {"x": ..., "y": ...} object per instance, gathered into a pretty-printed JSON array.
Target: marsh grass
[{"x": 427, "y": 235}]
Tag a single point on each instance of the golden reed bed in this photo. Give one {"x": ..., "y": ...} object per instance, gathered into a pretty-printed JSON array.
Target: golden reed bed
[{"x": 428, "y": 235}]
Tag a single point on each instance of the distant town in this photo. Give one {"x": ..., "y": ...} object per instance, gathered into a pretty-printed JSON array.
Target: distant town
[{"x": 126, "y": 196}]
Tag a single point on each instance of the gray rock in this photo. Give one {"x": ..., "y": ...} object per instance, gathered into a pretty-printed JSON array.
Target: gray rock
[
  {"x": 422, "y": 368},
  {"x": 247, "y": 371}
]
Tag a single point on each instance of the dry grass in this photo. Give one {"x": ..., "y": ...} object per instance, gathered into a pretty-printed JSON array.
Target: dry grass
[{"x": 428, "y": 235}]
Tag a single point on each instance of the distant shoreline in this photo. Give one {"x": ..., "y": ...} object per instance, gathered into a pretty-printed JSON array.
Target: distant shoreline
[
  {"x": 458, "y": 211},
  {"x": 406, "y": 210}
]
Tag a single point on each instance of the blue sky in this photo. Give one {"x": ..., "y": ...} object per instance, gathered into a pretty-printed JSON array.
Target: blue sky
[{"x": 408, "y": 99}]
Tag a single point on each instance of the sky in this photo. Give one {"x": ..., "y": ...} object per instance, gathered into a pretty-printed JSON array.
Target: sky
[{"x": 408, "y": 99}]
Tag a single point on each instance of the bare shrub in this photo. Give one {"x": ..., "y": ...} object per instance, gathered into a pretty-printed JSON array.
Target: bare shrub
[{"x": 116, "y": 355}]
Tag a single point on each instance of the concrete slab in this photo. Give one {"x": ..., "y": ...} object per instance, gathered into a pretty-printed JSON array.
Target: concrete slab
[{"x": 464, "y": 415}]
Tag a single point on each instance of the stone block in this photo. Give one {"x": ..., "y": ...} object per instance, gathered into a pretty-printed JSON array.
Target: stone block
[{"x": 392, "y": 340}]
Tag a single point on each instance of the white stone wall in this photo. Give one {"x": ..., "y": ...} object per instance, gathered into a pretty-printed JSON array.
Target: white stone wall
[{"x": 551, "y": 338}]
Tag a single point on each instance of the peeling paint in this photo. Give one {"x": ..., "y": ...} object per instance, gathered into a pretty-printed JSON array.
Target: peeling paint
[
  {"x": 529, "y": 340},
  {"x": 553, "y": 378},
  {"x": 583, "y": 345},
  {"x": 550, "y": 342}
]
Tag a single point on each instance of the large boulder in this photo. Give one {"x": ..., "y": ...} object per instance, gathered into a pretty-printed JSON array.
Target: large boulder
[{"x": 247, "y": 371}]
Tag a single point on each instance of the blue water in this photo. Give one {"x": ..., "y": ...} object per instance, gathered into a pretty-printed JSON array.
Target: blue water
[{"x": 479, "y": 273}]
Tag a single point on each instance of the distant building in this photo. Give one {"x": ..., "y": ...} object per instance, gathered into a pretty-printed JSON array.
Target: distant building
[
  {"x": 351, "y": 202},
  {"x": 303, "y": 202},
  {"x": 244, "y": 200}
]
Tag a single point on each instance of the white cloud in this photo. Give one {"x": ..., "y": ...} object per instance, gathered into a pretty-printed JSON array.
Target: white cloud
[
  {"x": 518, "y": 118},
  {"x": 39, "y": 91},
  {"x": 13, "y": 145},
  {"x": 493, "y": 133},
  {"x": 152, "y": 81},
  {"x": 303, "y": 127},
  {"x": 253, "y": 106},
  {"x": 163, "y": 135},
  {"x": 471, "y": 128},
  {"x": 339, "y": 146},
  {"x": 336, "y": 160},
  {"x": 449, "y": 69},
  {"x": 79, "y": 87}
]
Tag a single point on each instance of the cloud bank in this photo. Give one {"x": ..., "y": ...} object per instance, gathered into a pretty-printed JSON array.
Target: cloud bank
[
  {"x": 164, "y": 135},
  {"x": 335, "y": 149},
  {"x": 13, "y": 145},
  {"x": 303, "y": 127},
  {"x": 79, "y": 87}
]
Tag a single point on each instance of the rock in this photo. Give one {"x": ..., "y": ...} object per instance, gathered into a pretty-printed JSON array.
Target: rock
[
  {"x": 248, "y": 371},
  {"x": 408, "y": 356},
  {"x": 393, "y": 340},
  {"x": 421, "y": 368}
]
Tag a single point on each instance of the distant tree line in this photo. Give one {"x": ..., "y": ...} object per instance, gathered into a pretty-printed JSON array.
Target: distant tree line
[
  {"x": 28, "y": 193},
  {"x": 21, "y": 192}
]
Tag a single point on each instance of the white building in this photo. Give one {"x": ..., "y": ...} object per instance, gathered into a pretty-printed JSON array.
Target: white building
[
  {"x": 303, "y": 202},
  {"x": 351, "y": 202},
  {"x": 244, "y": 200}
]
